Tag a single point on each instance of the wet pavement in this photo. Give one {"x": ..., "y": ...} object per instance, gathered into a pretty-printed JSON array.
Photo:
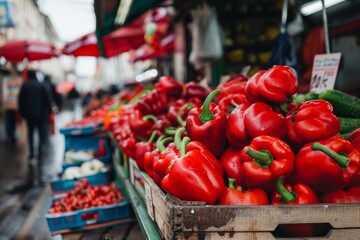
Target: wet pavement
[
  {"x": 23, "y": 207},
  {"x": 19, "y": 199}
]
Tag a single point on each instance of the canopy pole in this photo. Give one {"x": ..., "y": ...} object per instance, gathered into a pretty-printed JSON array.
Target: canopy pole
[{"x": 326, "y": 30}]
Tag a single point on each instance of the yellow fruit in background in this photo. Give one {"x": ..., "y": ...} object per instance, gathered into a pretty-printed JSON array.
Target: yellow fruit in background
[{"x": 271, "y": 32}]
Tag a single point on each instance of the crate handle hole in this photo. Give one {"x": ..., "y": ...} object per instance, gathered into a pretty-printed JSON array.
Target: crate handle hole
[
  {"x": 90, "y": 216},
  {"x": 296, "y": 230}
]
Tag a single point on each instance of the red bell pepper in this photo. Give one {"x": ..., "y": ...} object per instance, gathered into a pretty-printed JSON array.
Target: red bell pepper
[
  {"x": 278, "y": 83},
  {"x": 154, "y": 102},
  {"x": 168, "y": 155},
  {"x": 293, "y": 195},
  {"x": 150, "y": 158},
  {"x": 142, "y": 148},
  {"x": 350, "y": 195},
  {"x": 327, "y": 165},
  {"x": 265, "y": 160},
  {"x": 193, "y": 177},
  {"x": 252, "y": 88},
  {"x": 141, "y": 125},
  {"x": 354, "y": 138},
  {"x": 128, "y": 145},
  {"x": 228, "y": 103},
  {"x": 207, "y": 125},
  {"x": 231, "y": 162},
  {"x": 193, "y": 89},
  {"x": 312, "y": 121},
  {"x": 169, "y": 86},
  {"x": 234, "y": 85},
  {"x": 176, "y": 114},
  {"x": 260, "y": 119},
  {"x": 236, "y": 131},
  {"x": 236, "y": 196}
]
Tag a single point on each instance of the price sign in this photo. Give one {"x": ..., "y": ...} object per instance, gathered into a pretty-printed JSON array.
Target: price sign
[{"x": 324, "y": 72}]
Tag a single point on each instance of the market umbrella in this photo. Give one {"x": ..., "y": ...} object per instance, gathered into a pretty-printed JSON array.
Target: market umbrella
[
  {"x": 84, "y": 46},
  {"x": 145, "y": 52},
  {"x": 30, "y": 50},
  {"x": 125, "y": 38}
]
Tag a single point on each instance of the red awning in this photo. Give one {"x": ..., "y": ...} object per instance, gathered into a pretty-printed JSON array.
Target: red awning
[
  {"x": 145, "y": 52},
  {"x": 85, "y": 46},
  {"x": 122, "y": 40},
  {"x": 16, "y": 51}
]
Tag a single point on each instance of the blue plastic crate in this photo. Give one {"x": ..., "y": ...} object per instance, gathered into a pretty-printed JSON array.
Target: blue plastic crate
[
  {"x": 100, "y": 178},
  {"x": 73, "y": 131},
  {"x": 76, "y": 219},
  {"x": 84, "y": 143}
]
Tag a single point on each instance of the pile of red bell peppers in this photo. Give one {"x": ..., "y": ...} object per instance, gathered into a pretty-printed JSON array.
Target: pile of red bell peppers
[{"x": 243, "y": 143}]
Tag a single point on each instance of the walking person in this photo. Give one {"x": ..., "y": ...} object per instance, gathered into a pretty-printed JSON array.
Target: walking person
[{"x": 35, "y": 108}]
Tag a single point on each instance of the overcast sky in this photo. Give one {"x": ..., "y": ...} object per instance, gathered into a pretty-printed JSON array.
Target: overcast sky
[{"x": 71, "y": 18}]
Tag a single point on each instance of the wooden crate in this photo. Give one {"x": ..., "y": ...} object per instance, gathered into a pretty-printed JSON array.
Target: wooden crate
[
  {"x": 137, "y": 178},
  {"x": 194, "y": 220}
]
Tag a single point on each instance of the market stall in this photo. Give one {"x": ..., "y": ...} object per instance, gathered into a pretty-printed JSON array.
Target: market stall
[{"x": 259, "y": 155}]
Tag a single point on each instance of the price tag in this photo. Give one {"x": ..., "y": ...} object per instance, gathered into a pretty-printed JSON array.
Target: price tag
[{"x": 324, "y": 72}]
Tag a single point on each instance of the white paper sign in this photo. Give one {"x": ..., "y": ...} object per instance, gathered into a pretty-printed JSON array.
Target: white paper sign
[{"x": 324, "y": 72}]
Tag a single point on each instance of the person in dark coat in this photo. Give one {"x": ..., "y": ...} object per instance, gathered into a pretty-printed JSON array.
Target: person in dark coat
[{"x": 35, "y": 107}]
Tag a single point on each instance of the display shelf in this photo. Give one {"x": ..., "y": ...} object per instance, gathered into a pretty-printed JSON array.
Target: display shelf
[{"x": 147, "y": 226}]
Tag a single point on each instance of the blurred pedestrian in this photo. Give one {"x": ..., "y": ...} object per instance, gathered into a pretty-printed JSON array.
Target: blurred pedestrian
[
  {"x": 35, "y": 108},
  {"x": 10, "y": 95}
]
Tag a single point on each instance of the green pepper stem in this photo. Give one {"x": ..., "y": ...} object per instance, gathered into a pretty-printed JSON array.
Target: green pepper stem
[
  {"x": 161, "y": 144},
  {"x": 170, "y": 130},
  {"x": 177, "y": 138},
  {"x": 181, "y": 121},
  {"x": 149, "y": 118},
  {"x": 283, "y": 107},
  {"x": 341, "y": 160},
  {"x": 206, "y": 115},
  {"x": 158, "y": 141},
  {"x": 287, "y": 196},
  {"x": 152, "y": 137},
  {"x": 184, "y": 143},
  {"x": 262, "y": 157},
  {"x": 234, "y": 104},
  {"x": 232, "y": 182}
]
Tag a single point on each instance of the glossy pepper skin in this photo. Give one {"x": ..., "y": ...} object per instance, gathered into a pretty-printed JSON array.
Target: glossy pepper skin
[
  {"x": 252, "y": 88},
  {"x": 169, "y": 86},
  {"x": 354, "y": 138},
  {"x": 194, "y": 89},
  {"x": 236, "y": 131},
  {"x": 150, "y": 158},
  {"x": 260, "y": 119},
  {"x": 192, "y": 177},
  {"x": 228, "y": 103},
  {"x": 327, "y": 165},
  {"x": 207, "y": 125},
  {"x": 168, "y": 155},
  {"x": 231, "y": 162},
  {"x": 142, "y": 148},
  {"x": 278, "y": 83},
  {"x": 312, "y": 121},
  {"x": 350, "y": 195},
  {"x": 293, "y": 195},
  {"x": 140, "y": 125},
  {"x": 234, "y": 196},
  {"x": 154, "y": 103},
  {"x": 265, "y": 160},
  {"x": 235, "y": 85}
]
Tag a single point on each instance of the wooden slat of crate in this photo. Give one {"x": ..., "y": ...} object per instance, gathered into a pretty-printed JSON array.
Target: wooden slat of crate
[
  {"x": 178, "y": 219},
  {"x": 335, "y": 234}
]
